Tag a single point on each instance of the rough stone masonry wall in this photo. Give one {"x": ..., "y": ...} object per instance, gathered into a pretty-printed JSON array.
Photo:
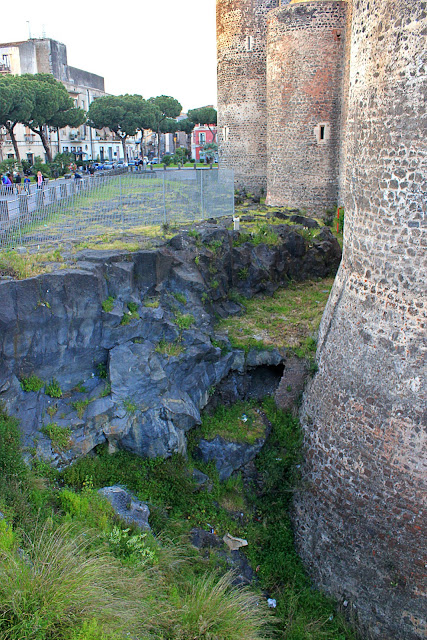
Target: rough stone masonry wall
[
  {"x": 242, "y": 115},
  {"x": 305, "y": 56},
  {"x": 361, "y": 521}
]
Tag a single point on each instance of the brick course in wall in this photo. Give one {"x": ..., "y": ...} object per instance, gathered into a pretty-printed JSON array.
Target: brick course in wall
[
  {"x": 361, "y": 523},
  {"x": 305, "y": 60}
]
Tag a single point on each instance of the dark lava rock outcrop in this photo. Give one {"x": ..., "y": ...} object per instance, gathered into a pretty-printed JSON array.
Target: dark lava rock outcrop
[{"x": 152, "y": 341}]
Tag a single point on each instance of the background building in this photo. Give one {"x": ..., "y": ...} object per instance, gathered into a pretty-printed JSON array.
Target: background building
[
  {"x": 44, "y": 55},
  {"x": 202, "y": 135}
]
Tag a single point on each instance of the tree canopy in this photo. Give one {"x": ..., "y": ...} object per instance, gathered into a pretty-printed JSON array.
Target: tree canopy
[
  {"x": 15, "y": 105},
  {"x": 124, "y": 115},
  {"x": 203, "y": 115},
  {"x": 51, "y": 106},
  {"x": 185, "y": 125},
  {"x": 166, "y": 110},
  {"x": 167, "y": 106},
  {"x": 210, "y": 150}
]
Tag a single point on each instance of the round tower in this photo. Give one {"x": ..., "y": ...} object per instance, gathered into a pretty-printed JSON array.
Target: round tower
[
  {"x": 305, "y": 61},
  {"x": 242, "y": 115},
  {"x": 361, "y": 519}
]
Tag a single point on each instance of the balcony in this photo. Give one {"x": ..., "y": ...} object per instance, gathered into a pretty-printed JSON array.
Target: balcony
[{"x": 28, "y": 139}]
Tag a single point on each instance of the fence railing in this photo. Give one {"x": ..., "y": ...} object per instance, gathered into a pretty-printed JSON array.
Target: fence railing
[{"x": 71, "y": 210}]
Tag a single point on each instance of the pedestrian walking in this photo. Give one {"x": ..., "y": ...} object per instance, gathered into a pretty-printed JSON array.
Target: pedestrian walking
[
  {"x": 40, "y": 180},
  {"x": 12, "y": 190},
  {"x": 18, "y": 181},
  {"x": 6, "y": 184},
  {"x": 27, "y": 184}
]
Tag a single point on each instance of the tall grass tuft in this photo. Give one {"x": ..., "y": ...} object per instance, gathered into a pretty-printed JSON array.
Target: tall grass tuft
[
  {"x": 214, "y": 609},
  {"x": 60, "y": 582}
]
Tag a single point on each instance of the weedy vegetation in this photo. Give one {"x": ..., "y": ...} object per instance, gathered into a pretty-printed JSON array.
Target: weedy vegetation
[
  {"x": 32, "y": 383},
  {"x": 170, "y": 349},
  {"x": 71, "y": 570},
  {"x": 288, "y": 319},
  {"x": 59, "y": 436},
  {"x": 108, "y": 304},
  {"x": 184, "y": 320},
  {"x": 53, "y": 389}
]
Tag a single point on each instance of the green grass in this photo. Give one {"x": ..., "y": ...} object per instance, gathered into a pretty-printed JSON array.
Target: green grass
[
  {"x": 107, "y": 208},
  {"x": 101, "y": 370},
  {"x": 80, "y": 406},
  {"x": 33, "y": 383},
  {"x": 305, "y": 612},
  {"x": 27, "y": 265},
  {"x": 257, "y": 233},
  {"x": 302, "y": 612},
  {"x": 184, "y": 320},
  {"x": 179, "y": 297},
  {"x": 170, "y": 349},
  {"x": 129, "y": 406},
  {"x": 152, "y": 304},
  {"x": 72, "y": 583},
  {"x": 59, "y": 436},
  {"x": 108, "y": 304},
  {"x": 80, "y": 388},
  {"x": 265, "y": 219},
  {"x": 61, "y": 581},
  {"x": 132, "y": 307},
  {"x": 241, "y": 422},
  {"x": 106, "y": 390},
  {"x": 289, "y": 318},
  {"x": 53, "y": 389},
  {"x": 130, "y": 314},
  {"x": 12, "y": 466}
]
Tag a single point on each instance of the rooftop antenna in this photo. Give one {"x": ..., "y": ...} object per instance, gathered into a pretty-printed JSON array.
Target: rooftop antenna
[
  {"x": 29, "y": 30},
  {"x": 43, "y": 31}
]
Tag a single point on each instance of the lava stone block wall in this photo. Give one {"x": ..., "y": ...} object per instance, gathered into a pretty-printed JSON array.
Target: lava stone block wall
[
  {"x": 242, "y": 115},
  {"x": 361, "y": 520},
  {"x": 305, "y": 61}
]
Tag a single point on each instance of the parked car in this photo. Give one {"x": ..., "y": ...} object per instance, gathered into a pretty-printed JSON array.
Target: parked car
[
  {"x": 154, "y": 161},
  {"x": 109, "y": 165}
]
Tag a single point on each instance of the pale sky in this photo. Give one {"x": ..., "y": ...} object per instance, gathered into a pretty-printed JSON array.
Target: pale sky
[{"x": 150, "y": 47}]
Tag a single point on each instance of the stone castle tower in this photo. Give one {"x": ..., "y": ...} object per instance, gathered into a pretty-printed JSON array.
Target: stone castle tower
[
  {"x": 361, "y": 521},
  {"x": 305, "y": 59},
  {"x": 242, "y": 113}
]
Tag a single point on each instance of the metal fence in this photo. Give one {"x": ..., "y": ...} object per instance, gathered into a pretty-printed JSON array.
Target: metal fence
[{"x": 96, "y": 205}]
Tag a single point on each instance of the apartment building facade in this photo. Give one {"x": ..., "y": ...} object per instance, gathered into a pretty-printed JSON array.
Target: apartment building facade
[{"x": 44, "y": 55}]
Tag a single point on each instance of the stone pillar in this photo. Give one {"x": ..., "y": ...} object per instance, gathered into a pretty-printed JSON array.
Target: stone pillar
[
  {"x": 361, "y": 516},
  {"x": 305, "y": 61},
  {"x": 242, "y": 115}
]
